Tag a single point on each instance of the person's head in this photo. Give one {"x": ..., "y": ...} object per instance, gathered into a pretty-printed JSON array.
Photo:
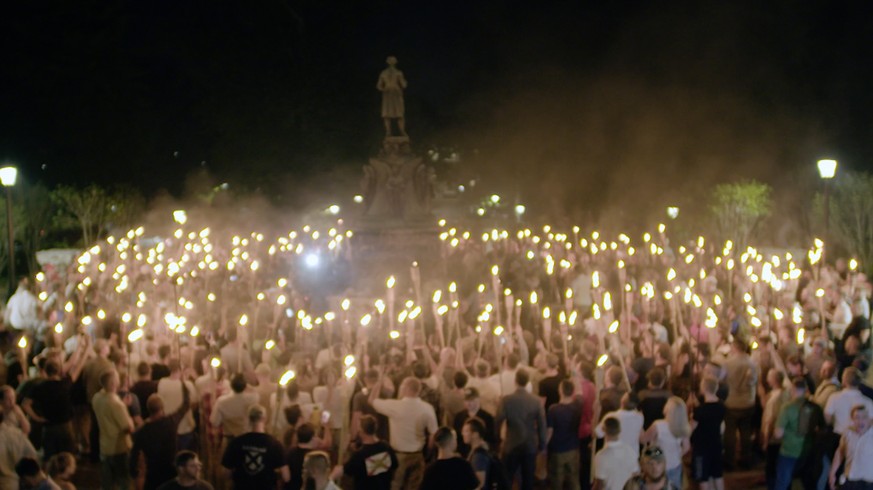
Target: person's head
[
  {"x": 471, "y": 400},
  {"x": 109, "y": 381},
  {"x": 155, "y": 405},
  {"x": 369, "y": 425},
  {"x": 656, "y": 377},
  {"x": 371, "y": 377},
  {"x": 460, "y": 379},
  {"x": 663, "y": 353},
  {"x": 738, "y": 346},
  {"x": 512, "y": 360},
  {"x": 257, "y": 415},
  {"x": 852, "y": 345},
  {"x": 794, "y": 365},
  {"x": 629, "y": 401},
  {"x": 7, "y": 397},
  {"x": 551, "y": 361},
  {"x": 708, "y": 385},
  {"x": 316, "y": 466},
  {"x": 292, "y": 390},
  {"x": 612, "y": 428},
  {"x": 818, "y": 346},
  {"x": 799, "y": 386},
  {"x": 61, "y": 466},
  {"x": 851, "y": 378},
  {"x": 567, "y": 389},
  {"x": 775, "y": 378},
  {"x": 238, "y": 383},
  {"x": 445, "y": 439},
  {"x": 473, "y": 431},
  {"x": 52, "y": 368},
  {"x": 676, "y": 416},
  {"x": 28, "y": 469},
  {"x": 410, "y": 387},
  {"x": 102, "y": 347},
  {"x": 522, "y": 378},
  {"x": 420, "y": 370},
  {"x": 175, "y": 368},
  {"x": 164, "y": 353},
  {"x": 860, "y": 417},
  {"x": 143, "y": 370},
  {"x": 293, "y": 414},
  {"x": 652, "y": 464},
  {"x": 483, "y": 369},
  {"x": 305, "y": 433},
  {"x": 827, "y": 370},
  {"x": 614, "y": 376},
  {"x": 188, "y": 465}
]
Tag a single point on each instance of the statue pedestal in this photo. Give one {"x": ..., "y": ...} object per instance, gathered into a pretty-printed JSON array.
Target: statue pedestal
[{"x": 396, "y": 227}]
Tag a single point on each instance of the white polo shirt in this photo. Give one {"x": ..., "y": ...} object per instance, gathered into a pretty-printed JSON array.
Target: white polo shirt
[
  {"x": 170, "y": 391},
  {"x": 631, "y": 422},
  {"x": 615, "y": 464},
  {"x": 840, "y": 407},
  {"x": 860, "y": 454},
  {"x": 408, "y": 418}
]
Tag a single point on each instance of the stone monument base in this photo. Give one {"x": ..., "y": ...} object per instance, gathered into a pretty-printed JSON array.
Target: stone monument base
[{"x": 383, "y": 249}]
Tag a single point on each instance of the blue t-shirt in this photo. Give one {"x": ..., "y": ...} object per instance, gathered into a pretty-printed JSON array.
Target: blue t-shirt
[{"x": 563, "y": 419}]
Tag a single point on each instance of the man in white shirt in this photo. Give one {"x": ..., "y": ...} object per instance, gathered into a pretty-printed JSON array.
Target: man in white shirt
[
  {"x": 170, "y": 390},
  {"x": 856, "y": 450},
  {"x": 838, "y": 411},
  {"x": 630, "y": 420},
  {"x": 231, "y": 411},
  {"x": 22, "y": 309},
  {"x": 489, "y": 393},
  {"x": 504, "y": 381},
  {"x": 617, "y": 462},
  {"x": 411, "y": 420}
]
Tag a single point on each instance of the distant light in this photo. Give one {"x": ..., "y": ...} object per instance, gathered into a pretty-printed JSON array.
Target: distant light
[
  {"x": 333, "y": 209},
  {"x": 673, "y": 212},
  {"x": 461, "y": 188},
  {"x": 8, "y": 176},
  {"x": 180, "y": 216},
  {"x": 495, "y": 198},
  {"x": 358, "y": 198},
  {"x": 312, "y": 260},
  {"x": 826, "y": 169},
  {"x": 480, "y": 211},
  {"x": 520, "y": 209}
]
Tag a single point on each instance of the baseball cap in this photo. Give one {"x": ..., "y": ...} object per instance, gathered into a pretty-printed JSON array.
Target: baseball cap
[{"x": 652, "y": 452}]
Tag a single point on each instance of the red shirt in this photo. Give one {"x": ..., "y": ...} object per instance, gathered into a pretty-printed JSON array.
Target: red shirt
[{"x": 587, "y": 420}]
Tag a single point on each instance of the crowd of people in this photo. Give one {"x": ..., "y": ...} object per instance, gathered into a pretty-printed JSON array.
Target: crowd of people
[{"x": 540, "y": 358}]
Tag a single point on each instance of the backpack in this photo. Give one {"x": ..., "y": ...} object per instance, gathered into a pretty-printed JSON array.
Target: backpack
[{"x": 496, "y": 478}]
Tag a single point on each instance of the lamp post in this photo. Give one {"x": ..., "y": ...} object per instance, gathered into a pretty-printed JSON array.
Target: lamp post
[
  {"x": 826, "y": 170},
  {"x": 8, "y": 175}
]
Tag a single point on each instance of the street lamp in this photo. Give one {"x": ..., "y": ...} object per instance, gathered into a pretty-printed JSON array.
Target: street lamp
[
  {"x": 8, "y": 175},
  {"x": 826, "y": 170},
  {"x": 673, "y": 212}
]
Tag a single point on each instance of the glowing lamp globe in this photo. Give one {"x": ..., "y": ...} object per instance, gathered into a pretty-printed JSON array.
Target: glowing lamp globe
[
  {"x": 826, "y": 169},
  {"x": 8, "y": 175}
]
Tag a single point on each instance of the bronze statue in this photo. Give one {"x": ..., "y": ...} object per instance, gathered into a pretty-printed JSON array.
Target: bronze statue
[{"x": 391, "y": 83}]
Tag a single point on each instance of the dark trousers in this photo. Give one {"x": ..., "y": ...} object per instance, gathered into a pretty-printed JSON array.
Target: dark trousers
[
  {"x": 520, "y": 458},
  {"x": 738, "y": 420},
  {"x": 585, "y": 463},
  {"x": 57, "y": 438},
  {"x": 94, "y": 437},
  {"x": 772, "y": 456}
]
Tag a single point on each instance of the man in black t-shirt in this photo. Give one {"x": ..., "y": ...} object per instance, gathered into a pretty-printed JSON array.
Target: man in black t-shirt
[
  {"x": 548, "y": 389},
  {"x": 188, "y": 468},
  {"x": 472, "y": 410},
  {"x": 448, "y": 471},
  {"x": 254, "y": 457},
  {"x": 372, "y": 466},
  {"x": 52, "y": 402}
]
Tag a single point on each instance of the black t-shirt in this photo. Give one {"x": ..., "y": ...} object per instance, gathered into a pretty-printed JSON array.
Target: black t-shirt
[
  {"x": 295, "y": 458},
  {"x": 486, "y": 418},
  {"x": 160, "y": 371},
  {"x": 707, "y": 434},
  {"x": 143, "y": 389},
  {"x": 372, "y": 467},
  {"x": 642, "y": 366},
  {"x": 452, "y": 473},
  {"x": 52, "y": 400},
  {"x": 549, "y": 389},
  {"x": 652, "y": 405},
  {"x": 254, "y": 458},
  {"x": 361, "y": 403},
  {"x": 174, "y": 485}
]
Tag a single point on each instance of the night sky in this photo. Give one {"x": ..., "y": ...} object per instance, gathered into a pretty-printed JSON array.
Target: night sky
[{"x": 597, "y": 98}]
